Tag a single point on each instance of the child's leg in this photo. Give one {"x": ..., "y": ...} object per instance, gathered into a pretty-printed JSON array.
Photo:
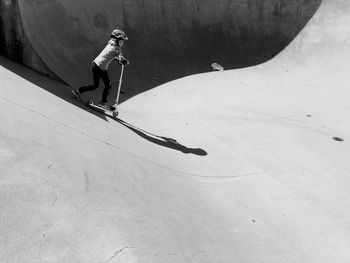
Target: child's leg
[
  {"x": 96, "y": 73},
  {"x": 108, "y": 86}
]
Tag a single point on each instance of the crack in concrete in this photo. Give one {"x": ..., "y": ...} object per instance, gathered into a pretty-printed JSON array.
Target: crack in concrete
[
  {"x": 54, "y": 202},
  {"x": 116, "y": 254}
]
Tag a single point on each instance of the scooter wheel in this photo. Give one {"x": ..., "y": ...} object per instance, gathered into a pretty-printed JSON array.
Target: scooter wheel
[
  {"x": 90, "y": 103},
  {"x": 115, "y": 114}
]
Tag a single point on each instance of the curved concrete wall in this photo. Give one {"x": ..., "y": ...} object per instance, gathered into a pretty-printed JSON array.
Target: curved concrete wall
[
  {"x": 168, "y": 39},
  {"x": 13, "y": 42}
]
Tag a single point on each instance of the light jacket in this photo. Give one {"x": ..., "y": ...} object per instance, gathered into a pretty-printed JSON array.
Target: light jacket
[{"x": 108, "y": 54}]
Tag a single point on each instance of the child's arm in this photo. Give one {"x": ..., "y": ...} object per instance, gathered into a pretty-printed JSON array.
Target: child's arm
[{"x": 122, "y": 60}]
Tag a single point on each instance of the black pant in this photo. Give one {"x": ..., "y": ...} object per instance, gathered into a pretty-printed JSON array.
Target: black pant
[{"x": 98, "y": 74}]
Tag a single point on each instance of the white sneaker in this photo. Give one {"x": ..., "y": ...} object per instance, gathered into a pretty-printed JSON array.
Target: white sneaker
[
  {"x": 76, "y": 94},
  {"x": 103, "y": 105}
]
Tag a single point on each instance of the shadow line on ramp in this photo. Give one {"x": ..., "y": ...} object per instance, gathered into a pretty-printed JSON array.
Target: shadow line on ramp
[{"x": 162, "y": 141}]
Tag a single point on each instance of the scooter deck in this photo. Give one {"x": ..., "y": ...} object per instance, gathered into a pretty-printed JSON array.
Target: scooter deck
[{"x": 111, "y": 111}]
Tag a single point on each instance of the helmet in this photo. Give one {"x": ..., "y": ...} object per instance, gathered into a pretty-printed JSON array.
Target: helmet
[{"x": 119, "y": 34}]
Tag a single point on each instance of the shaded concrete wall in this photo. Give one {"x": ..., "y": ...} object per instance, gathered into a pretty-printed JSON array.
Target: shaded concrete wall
[
  {"x": 13, "y": 42},
  {"x": 240, "y": 33},
  {"x": 177, "y": 38},
  {"x": 168, "y": 38}
]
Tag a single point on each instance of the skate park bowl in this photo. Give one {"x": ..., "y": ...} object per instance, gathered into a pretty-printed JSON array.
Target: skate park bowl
[
  {"x": 168, "y": 39},
  {"x": 246, "y": 165}
]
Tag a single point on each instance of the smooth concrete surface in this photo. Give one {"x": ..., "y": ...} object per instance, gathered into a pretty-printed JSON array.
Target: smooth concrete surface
[
  {"x": 233, "y": 166},
  {"x": 168, "y": 39}
]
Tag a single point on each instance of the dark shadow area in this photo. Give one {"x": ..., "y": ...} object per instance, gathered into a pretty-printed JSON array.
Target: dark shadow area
[
  {"x": 243, "y": 34},
  {"x": 162, "y": 141},
  {"x": 14, "y": 43}
]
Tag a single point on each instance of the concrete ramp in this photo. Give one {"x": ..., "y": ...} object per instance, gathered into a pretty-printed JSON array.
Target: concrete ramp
[{"x": 233, "y": 166}]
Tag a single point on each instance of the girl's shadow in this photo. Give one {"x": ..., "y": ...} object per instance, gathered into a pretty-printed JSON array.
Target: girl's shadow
[{"x": 162, "y": 141}]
